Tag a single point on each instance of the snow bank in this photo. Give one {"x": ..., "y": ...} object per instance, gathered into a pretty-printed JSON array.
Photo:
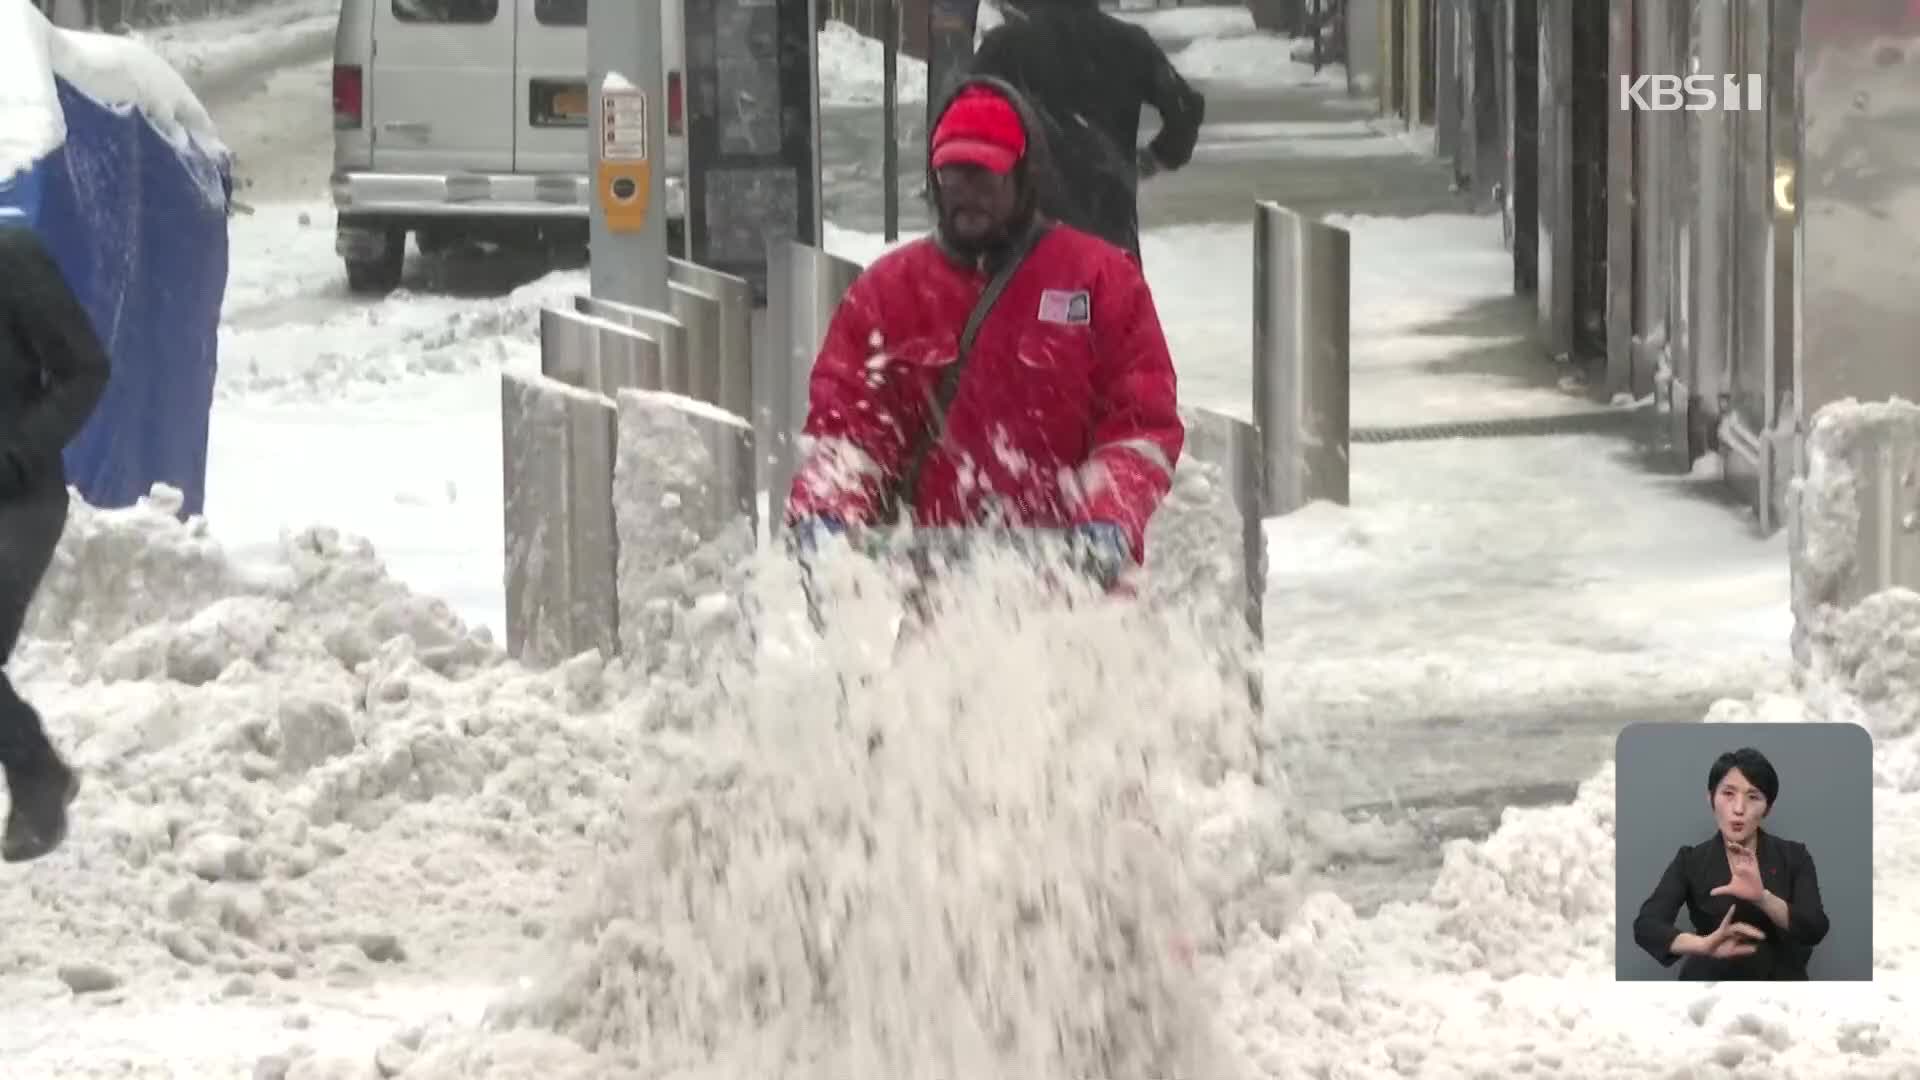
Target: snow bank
[
  {"x": 113, "y": 71},
  {"x": 1196, "y": 21},
  {"x": 205, "y": 49},
  {"x": 852, "y": 70},
  {"x": 1252, "y": 60},
  {"x": 1825, "y": 506},
  {"x": 296, "y": 772}
]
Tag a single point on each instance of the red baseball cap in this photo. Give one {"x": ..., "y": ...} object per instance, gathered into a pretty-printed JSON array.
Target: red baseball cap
[{"x": 981, "y": 127}]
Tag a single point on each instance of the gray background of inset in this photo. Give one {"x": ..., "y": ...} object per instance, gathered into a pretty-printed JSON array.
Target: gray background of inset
[{"x": 1826, "y": 803}]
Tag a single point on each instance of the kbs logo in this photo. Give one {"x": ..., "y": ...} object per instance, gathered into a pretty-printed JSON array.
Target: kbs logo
[{"x": 1693, "y": 93}]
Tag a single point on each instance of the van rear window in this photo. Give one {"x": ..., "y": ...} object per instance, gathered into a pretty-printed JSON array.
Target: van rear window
[
  {"x": 470, "y": 12},
  {"x": 560, "y": 12}
]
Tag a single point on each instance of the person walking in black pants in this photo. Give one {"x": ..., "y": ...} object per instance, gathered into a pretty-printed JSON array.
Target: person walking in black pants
[{"x": 53, "y": 370}]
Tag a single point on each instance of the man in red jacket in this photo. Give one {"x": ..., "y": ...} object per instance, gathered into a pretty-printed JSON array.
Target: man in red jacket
[{"x": 1003, "y": 371}]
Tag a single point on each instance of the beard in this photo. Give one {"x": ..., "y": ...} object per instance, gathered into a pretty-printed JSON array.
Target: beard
[{"x": 970, "y": 240}]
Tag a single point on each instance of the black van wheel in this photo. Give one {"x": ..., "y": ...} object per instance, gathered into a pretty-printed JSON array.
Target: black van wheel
[{"x": 380, "y": 274}]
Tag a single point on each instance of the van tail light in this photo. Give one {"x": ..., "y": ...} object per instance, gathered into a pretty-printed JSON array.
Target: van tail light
[
  {"x": 676, "y": 105},
  {"x": 349, "y": 97}
]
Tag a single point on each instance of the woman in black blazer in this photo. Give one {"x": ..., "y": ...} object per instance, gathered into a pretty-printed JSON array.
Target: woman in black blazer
[{"x": 1753, "y": 897}]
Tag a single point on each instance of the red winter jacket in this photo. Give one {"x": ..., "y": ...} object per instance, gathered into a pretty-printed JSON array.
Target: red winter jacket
[{"x": 1065, "y": 413}]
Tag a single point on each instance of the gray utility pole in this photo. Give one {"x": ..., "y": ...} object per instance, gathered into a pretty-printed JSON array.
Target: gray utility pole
[{"x": 626, "y": 83}]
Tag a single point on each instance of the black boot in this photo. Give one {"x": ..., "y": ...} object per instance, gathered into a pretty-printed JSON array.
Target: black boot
[{"x": 37, "y": 812}]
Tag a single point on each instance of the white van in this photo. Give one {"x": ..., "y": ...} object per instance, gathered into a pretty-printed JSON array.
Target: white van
[{"x": 466, "y": 121}]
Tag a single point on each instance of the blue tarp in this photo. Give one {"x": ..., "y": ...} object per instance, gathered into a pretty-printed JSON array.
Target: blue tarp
[{"x": 139, "y": 227}]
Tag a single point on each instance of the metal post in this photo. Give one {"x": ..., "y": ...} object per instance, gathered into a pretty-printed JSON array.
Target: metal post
[
  {"x": 669, "y": 332},
  {"x": 806, "y": 285},
  {"x": 595, "y": 354},
  {"x": 890, "y": 116},
  {"x": 1620, "y": 208},
  {"x": 1653, "y": 179},
  {"x": 1363, "y": 46},
  {"x": 697, "y": 375},
  {"x": 1447, "y": 50},
  {"x": 1704, "y": 368},
  {"x": 732, "y": 381},
  {"x": 628, "y": 143},
  {"x": 1301, "y": 371},
  {"x": 557, "y": 490}
]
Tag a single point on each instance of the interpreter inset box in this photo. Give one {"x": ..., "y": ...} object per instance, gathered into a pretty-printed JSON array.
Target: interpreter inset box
[{"x": 1743, "y": 852}]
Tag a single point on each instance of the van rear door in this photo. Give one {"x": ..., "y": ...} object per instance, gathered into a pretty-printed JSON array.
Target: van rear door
[
  {"x": 443, "y": 79},
  {"x": 550, "y": 86}
]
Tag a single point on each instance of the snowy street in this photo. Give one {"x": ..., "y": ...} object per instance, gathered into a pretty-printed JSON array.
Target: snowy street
[{"x": 326, "y": 822}]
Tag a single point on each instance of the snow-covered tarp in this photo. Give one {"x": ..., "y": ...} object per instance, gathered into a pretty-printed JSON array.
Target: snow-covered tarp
[{"x": 117, "y": 166}]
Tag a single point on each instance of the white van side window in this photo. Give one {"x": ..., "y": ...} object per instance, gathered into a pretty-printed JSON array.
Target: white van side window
[
  {"x": 446, "y": 11},
  {"x": 560, "y": 12}
]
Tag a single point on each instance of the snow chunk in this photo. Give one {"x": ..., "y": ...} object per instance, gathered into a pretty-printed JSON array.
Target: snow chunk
[
  {"x": 851, "y": 70},
  {"x": 116, "y": 72}
]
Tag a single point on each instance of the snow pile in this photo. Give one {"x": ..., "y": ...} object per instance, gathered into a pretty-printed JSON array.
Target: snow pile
[
  {"x": 680, "y": 528},
  {"x": 1506, "y": 966},
  {"x": 971, "y": 863},
  {"x": 1193, "y": 21},
  {"x": 1827, "y": 505},
  {"x": 113, "y": 71},
  {"x": 1252, "y": 60},
  {"x": 274, "y": 756},
  {"x": 852, "y": 70},
  {"x": 366, "y": 348},
  {"x": 962, "y": 853},
  {"x": 220, "y": 45}
]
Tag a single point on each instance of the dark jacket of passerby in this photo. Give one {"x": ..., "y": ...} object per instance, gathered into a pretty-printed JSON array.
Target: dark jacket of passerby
[
  {"x": 1089, "y": 74},
  {"x": 53, "y": 368}
]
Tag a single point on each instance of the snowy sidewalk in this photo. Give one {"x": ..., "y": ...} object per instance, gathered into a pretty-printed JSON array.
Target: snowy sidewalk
[{"x": 1474, "y": 631}]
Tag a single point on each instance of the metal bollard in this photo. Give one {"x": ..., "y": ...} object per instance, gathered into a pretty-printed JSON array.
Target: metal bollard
[
  {"x": 804, "y": 286},
  {"x": 732, "y": 379},
  {"x": 1620, "y": 215},
  {"x": 670, "y": 333},
  {"x": 699, "y": 312},
  {"x": 595, "y": 354},
  {"x": 557, "y": 485},
  {"x": 1448, "y": 48},
  {"x": 1363, "y": 46},
  {"x": 1301, "y": 376},
  {"x": 568, "y": 346},
  {"x": 626, "y": 358}
]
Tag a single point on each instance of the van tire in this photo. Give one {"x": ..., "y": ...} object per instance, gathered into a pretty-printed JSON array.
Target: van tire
[{"x": 380, "y": 275}]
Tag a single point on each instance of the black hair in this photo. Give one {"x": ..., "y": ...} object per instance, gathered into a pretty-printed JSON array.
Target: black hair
[{"x": 1753, "y": 765}]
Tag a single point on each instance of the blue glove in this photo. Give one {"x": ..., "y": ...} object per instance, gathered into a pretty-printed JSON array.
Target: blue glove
[
  {"x": 1102, "y": 551},
  {"x": 806, "y": 535}
]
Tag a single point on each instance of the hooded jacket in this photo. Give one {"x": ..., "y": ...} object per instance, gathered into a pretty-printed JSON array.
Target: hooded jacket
[
  {"x": 53, "y": 368},
  {"x": 1088, "y": 74},
  {"x": 1066, "y": 412}
]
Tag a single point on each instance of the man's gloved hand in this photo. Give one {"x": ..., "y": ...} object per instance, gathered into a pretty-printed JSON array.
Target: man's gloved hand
[
  {"x": 805, "y": 536},
  {"x": 1101, "y": 552},
  {"x": 1147, "y": 163}
]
